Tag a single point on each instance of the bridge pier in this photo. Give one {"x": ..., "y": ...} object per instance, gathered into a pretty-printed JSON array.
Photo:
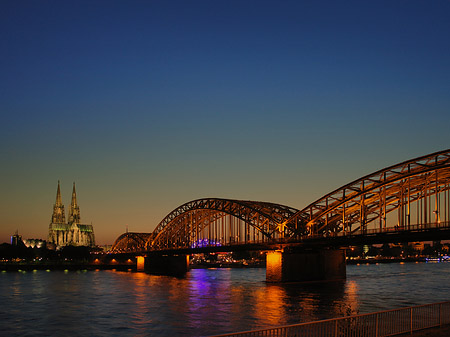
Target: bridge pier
[
  {"x": 305, "y": 266},
  {"x": 140, "y": 263},
  {"x": 171, "y": 265}
]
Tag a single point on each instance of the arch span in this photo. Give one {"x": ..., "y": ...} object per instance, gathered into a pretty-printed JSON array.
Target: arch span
[
  {"x": 130, "y": 242},
  {"x": 214, "y": 221},
  {"x": 417, "y": 189}
]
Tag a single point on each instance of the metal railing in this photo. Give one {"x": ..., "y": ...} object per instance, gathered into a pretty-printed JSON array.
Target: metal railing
[{"x": 377, "y": 324}]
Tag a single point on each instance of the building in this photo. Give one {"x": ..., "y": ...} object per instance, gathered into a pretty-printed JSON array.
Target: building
[
  {"x": 16, "y": 239},
  {"x": 34, "y": 243},
  {"x": 72, "y": 232},
  {"x": 418, "y": 246}
]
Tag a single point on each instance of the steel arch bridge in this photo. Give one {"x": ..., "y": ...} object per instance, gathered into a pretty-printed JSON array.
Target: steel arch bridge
[
  {"x": 131, "y": 241},
  {"x": 217, "y": 222},
  {"x": 417, "y": 189}
]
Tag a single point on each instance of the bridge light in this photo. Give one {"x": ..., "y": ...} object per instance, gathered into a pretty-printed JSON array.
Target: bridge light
[{"x": 281, "y": 227}]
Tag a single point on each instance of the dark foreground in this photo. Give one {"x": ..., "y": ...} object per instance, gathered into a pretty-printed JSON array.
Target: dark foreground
[{"x": 443, "y": 331}]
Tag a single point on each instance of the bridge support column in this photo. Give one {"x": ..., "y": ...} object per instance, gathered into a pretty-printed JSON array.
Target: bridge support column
[
  {"x": 172, "y": 265},
  {"x": 306, "y": 266},
  {"x": 140, "y": 263}
]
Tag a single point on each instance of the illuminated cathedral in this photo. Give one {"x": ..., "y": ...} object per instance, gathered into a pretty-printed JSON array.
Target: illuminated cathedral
[{"x": 72, "y": 232}]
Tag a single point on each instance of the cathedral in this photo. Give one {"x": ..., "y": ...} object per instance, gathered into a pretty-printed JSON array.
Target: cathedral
[{"x": 72, "y": 232}]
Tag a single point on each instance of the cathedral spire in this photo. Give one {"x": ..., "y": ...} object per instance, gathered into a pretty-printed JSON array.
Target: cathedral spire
[
  {"x": 74, "y": 216},
  {"x": 58, "y": 216},
  {"x": 58, "y": 196},
  {"x": 74, "y": 196}
]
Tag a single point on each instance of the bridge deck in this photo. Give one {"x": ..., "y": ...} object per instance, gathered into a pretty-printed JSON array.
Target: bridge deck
[{"x": 430, "y": 232}]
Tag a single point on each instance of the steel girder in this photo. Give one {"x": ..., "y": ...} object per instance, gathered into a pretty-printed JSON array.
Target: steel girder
[
  {"x": 374, "y": 196},
  {"x": 130, "y": 241},
  {"x": 353, "y": 207},
  {"x": 177, "y": 228}
]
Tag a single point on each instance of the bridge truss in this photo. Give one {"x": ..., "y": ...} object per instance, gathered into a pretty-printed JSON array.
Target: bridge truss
[
  {"x": 131, "y": 242},
  {"x": 408, "y": 196},
  {"x": 216, "y": 222},
  {"x": 417, "y": 189}
]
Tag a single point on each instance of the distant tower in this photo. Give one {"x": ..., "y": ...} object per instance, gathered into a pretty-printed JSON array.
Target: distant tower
[
  {"x": 73, "y": 232},
  {"x": 58, "y": 216},
  {"x": 74, "y": 216},
  {"x": 16, "y": 239}
]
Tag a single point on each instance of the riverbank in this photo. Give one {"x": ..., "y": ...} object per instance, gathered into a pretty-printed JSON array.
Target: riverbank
[
  {"x": 130, "y": 265},
  {"x": 385, "y": 260},
  {"x": 64, "y": 266}
]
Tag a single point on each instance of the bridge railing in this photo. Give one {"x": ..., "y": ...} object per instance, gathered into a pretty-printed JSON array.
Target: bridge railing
[
  {"x": 384, "y": 230},
  {"x": 378, "y": 324},
  {"x": 396, "y": 229}
]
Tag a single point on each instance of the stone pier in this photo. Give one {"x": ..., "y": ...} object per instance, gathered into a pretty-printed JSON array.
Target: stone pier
[
  {"x": 173, "y": 265},
  {"x": 140, "y": 263},
  {"x": 306, "y": 266}
]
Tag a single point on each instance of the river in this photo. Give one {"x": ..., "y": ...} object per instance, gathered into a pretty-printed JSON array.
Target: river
[{"x": 205, "y": 302}]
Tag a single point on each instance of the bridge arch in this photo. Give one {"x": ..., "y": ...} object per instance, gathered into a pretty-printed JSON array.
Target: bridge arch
[
  {"x": 215, "y": 221},
  {"x": 130, "y": 242},
  {"x": 418, "y": 189}
]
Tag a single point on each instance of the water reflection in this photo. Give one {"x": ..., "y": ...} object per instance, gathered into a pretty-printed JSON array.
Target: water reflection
[
  {"x": 218, "y": 294},
  {"x": 140, "y": 317},
  {"x": 205, "y": 302},
  {"x": 270, "y": 305},
  {"x": 352, "y": 298},
  {"x": 212, "y": 300}
]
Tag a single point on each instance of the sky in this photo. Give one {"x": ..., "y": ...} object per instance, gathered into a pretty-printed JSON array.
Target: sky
[{"x": 147, "y": 105}]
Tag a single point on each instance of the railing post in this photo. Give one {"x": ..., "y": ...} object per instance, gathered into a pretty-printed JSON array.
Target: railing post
[
  {"x": 440, "y": 320},
  {"x": 411, "y": 319},
  {"x": 336, "y": 329},
  {"x": 376, "y": 325}
]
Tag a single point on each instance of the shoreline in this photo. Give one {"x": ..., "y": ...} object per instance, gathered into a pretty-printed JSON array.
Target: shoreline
[
  {"x": 72, "y": 266},
  {"x": 17, "y": 267},
  {"x": 386, "y": 260}
]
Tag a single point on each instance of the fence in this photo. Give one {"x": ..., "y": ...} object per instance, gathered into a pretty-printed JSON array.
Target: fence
[{"x": 377, "y": 324}]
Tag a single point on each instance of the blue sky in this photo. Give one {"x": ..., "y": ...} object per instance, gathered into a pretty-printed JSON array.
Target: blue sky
[{"x": 150, "y": 104}]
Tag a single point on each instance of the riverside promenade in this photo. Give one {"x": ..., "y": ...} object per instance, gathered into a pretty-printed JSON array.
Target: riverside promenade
[{"x": 420, "y": 321}]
